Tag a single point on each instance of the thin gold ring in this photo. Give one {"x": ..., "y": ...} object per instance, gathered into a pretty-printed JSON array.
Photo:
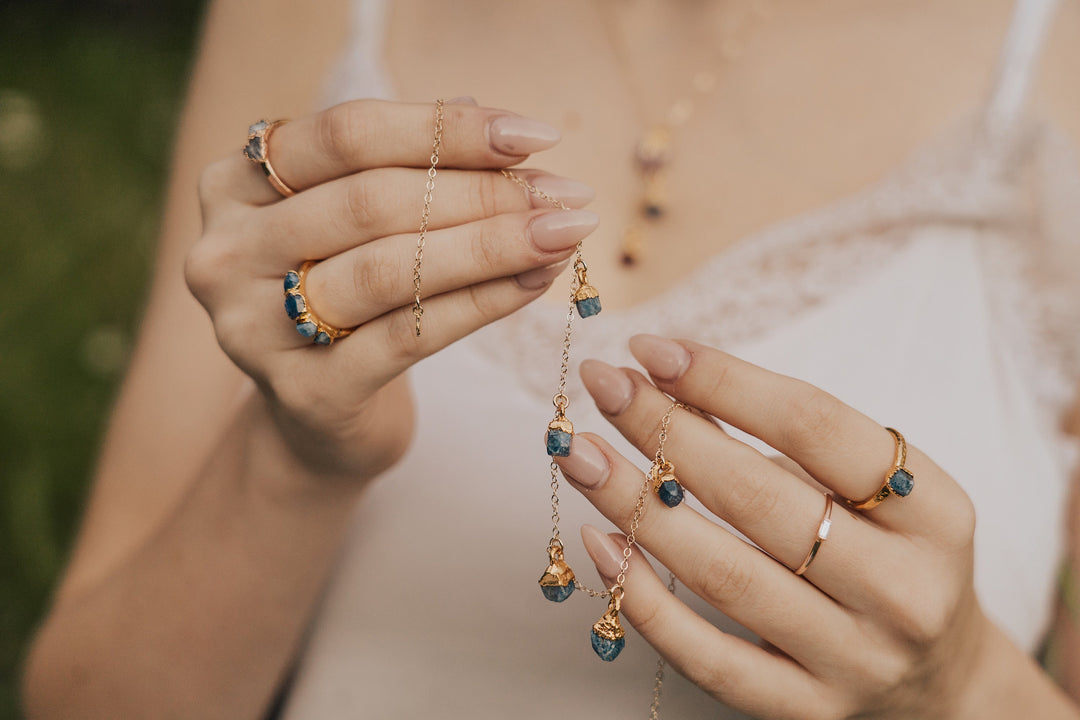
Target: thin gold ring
[
  {"x": 257, "y": 150},
  {"x": 822, "y": 535},
  {"x": 297, "y": 308},
  {"x": 898, "y": 480}
]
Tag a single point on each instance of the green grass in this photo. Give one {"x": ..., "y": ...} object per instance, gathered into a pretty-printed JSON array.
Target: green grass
[{"x": 88, "y": 101}]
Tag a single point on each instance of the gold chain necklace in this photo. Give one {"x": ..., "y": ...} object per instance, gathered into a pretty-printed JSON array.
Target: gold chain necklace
[{"x": 652, "y": 153}]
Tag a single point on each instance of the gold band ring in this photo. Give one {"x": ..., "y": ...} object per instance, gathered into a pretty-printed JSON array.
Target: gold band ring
[
  {"x": 822, "y": 535},
  {"x": 898, "y": 481},
  {"x": 257, "y": 150},
  {"x": 297, "y": 308}
]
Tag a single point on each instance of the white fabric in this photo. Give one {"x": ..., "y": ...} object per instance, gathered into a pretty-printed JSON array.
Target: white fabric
[{"x": 942, "y": 301}]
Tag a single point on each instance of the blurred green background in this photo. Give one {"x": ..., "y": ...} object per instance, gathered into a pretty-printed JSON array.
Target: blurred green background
[{"x": 89, "y": 95}]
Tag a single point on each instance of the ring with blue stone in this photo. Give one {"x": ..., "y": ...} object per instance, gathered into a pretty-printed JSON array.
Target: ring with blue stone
[
  {"x": 257, "y": 150},
  {"x": 299, "y": 310},
  {"x": 898, "y": 481}
]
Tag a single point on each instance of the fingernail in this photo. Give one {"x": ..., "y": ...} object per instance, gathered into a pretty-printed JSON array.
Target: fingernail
[
  {"x": 540, "y": 278},
  {"x": 571, "y": 192},
  {"x": 664, "y": 359},
  {"x": 609, "y": 386},
  {"x": 605, "y": 554},
  {"x": 586, "y": 463},
  {"x": 462, "y": 100},
  {"x": 516, "y": 135},
  {"x": 561, "y": 229}
]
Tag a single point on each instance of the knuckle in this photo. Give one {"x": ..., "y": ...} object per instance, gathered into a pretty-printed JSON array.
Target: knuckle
[
  {"x": 750, "y": 495},
  {"x": 377, "y": 279},
  {"x": 726, "y": 577},
  {"x": 484, "y": 193},
  {"x": 488, "y": 243},
  {"x": 361, "y": 207},
  {"x": 813, "y": 415},
  {"x": 207, "y": 264},
  {"x": 400, "y": 338},
  {"x": 485, "y": 302},
  {"x": 922, "y": 624},
  {"x": 342, "y": 131}
]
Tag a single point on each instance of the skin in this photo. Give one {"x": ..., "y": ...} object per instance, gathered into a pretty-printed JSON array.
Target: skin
[{"x": 228, "y": 507}]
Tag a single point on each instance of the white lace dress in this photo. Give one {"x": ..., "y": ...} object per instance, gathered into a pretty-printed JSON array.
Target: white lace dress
[{"x": 943, "y": 301}]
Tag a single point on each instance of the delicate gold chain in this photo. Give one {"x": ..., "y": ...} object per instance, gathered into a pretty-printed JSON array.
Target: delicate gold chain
[
  {"x": 658, "y": 685},
  {"x": 418, "y": 309}
]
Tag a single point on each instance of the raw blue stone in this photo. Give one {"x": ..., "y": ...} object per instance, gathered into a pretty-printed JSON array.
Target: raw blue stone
[
  {"x": 254, "y": 148},
  {"x": 292, "y": 280},
  {"x": 258, "y": 127},
  {"x": 294, "y": 305},
  {"x": 558, "y": 443},
  {"x": 307, "y": 328},
  {"x": 902, "y": 482},
  {"x": 557, "y": 593},
  {"x": 322, "y": 339},
  {"x": 588, "y": 307},
  {"x": 608, "y": 650},
  {"x": 670, "y": 493}
]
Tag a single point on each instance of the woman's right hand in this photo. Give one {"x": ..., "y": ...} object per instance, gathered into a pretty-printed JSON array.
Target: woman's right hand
[{"x": 360, "y": 170}]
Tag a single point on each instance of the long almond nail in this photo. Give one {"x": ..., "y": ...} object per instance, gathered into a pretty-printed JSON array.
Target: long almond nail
[
  {"x": 609, "y": 386},
  {"x": 664, "y": 359},
  {"x": 586, "y": 464},
  {"x": 561, "y": 229},
  {"x": 605, "y": 554},
  {"x": 516, "y": 135}
]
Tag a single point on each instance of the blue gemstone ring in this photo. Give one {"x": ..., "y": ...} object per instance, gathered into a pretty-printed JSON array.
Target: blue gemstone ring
[
  {"x": 898, "y": 481},
  {"x": 257, "y": 150},
  {"x": 299, "y": 310}
]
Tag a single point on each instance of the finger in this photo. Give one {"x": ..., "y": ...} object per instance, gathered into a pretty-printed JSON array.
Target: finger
[
  {"x": 773, "y": 508},
  {"x": 380, "y": 350},
  {"x": 731, "y": 575},
  {"x": 731, "y": 669},
  {"x": 356, "y": 286},
  {"x": 839, "y": 446},
  {"x": 334, "y": 217},
  {"x": 366, "y": 134}
]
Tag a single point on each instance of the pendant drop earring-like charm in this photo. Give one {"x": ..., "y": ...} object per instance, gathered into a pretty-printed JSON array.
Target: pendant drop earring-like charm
[
  {"x": 608, "y": 636},
  {"x": 557, "y": 582},
  {"x": 560, "y": 431},
  {"x": 586, "y": 297},
  {"x": 665, "y": 485}
]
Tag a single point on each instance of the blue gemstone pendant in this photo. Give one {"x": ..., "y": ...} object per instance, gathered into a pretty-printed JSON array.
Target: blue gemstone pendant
[
  {"x": 664, "y": 483},
  {"x": 559, "y": 434},
  {"x": 608, "y": 637},
  {"x": 586, "y": 297},
  {"x": 557, "y": 582}
]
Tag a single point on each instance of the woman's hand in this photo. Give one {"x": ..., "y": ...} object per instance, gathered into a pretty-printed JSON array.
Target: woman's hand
[
  {"x": 361, "y": 169},
  {"x": 883, "y": 624}
]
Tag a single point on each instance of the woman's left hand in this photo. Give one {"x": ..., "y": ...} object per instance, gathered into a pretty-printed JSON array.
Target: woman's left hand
[{"x": 883, "y": 624}]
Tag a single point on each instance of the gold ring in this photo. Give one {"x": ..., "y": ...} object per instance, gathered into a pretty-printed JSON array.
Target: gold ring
[
  {"x": 297, "y": 308},
  {"x": 898, "y": 481},
  {"x": 822, "y": 535},
  {"x": 257, "y": 150}
]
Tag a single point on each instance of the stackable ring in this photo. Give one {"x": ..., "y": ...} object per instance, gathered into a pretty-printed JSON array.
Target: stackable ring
[
  {"x": 822, "y": 535},
  {"x": 898, "y": 481},
  {"x": 297, "y": 308},
  {"x": 257, "y": 150}
]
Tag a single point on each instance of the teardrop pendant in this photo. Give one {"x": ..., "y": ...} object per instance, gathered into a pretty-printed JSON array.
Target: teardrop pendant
[
  {"x": 665, "y": 485},
  {"x": 557, "y": 582},
  {"x": 608, "y": 637}
]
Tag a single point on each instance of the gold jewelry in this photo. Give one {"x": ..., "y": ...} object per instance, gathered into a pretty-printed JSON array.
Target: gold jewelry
[
  {"x": 822, "y": 535},
  {"x": 299, "y": 309},
  {"x": 257, "y": 150},
  {"x": 418, "y": 309},
  {"x": 662, "y": 472},
  {"x": 898, "y": 481}
]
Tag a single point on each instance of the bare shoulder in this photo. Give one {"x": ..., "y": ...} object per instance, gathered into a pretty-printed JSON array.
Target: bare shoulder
[{"x": 1057, "y": 94}]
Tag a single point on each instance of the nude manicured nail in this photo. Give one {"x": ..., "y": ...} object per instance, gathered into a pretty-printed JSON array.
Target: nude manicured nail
[
  {"x": 561, "y": 229},
  {"x": 586, "y": 463},
  {"x": 569, "y": 191},
  {"x": 664, "y": 359},
  {"x": 516, "y": 135},
  {"x": 540, "y": 278},
  {"x": 605, "y": 554},
  {"x": 609, "y": 386}
]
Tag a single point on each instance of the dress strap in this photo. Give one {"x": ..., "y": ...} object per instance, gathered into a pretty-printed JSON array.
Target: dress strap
[{"x": 1017, "y": 63}]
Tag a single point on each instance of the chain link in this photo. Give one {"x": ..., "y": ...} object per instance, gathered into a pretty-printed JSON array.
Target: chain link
[{"x": 418, "y": 309}]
